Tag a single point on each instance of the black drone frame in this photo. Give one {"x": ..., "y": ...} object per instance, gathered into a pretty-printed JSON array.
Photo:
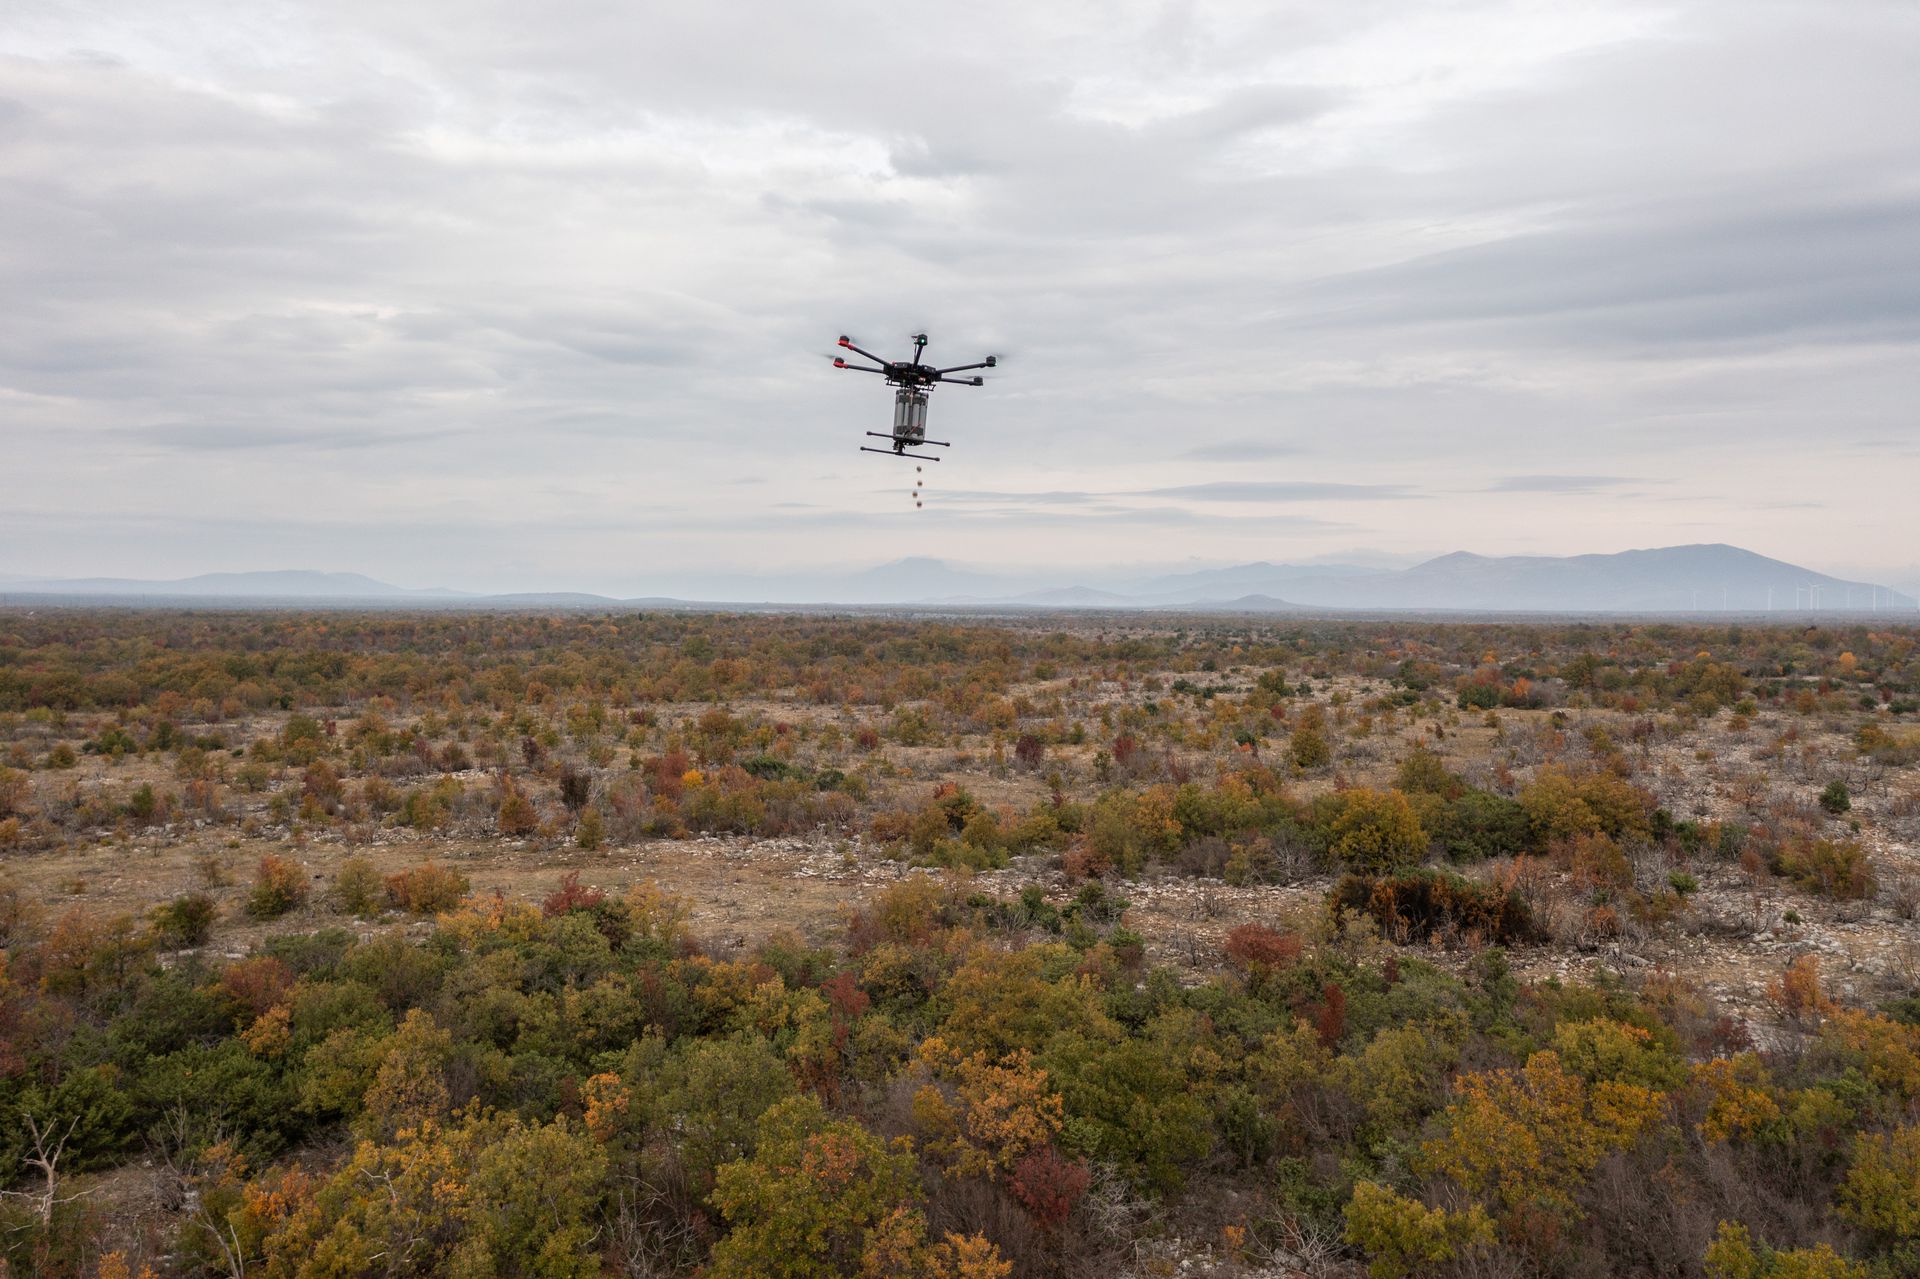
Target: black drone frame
[{"x": 914, "y": 380}]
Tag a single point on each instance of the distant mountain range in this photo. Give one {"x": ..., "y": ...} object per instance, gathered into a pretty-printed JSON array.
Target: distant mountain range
[{"x": 1673, "y": 579}]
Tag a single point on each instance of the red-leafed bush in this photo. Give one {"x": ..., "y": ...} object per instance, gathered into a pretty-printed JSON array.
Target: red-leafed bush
[
  {"x": 1048, "y": 1185},
  {"x": 571, "y": 896},
  {"x": 1255, "y": 949},
  {"x": 1330, "y": 1020},
  {"x": 257, "y": 983}
]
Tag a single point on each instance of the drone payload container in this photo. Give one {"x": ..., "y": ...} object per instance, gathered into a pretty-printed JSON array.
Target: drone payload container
[{"x": 909, "y": 416}]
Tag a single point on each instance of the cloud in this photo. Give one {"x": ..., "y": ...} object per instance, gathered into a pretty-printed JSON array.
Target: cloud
[
  {"x": 1569, "y": 484},
  {"x": 1284, "y": 491},
  {"x": 225, "y": 437},
  {"x": 1842, "y": 267},
  {"x": 1056, "y": 497},
  {"x": 1242, "y": 451},
  {"x": 1252, "y": 491}
]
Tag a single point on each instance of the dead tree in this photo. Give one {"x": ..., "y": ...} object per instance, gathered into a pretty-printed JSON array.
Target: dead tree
[{"x": 45, "y": 1145}]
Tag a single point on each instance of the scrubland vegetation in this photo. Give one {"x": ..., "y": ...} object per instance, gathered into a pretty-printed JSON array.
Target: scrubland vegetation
[{"x": 392, "y": 945}]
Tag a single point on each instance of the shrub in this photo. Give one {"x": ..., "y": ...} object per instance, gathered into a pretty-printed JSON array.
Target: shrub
[
  {"x": 1258, "y": 951},
  {"x": 279, "y": 885},
  {"x": 358, "y": 889},
  {"x": 1562, "y": 805},
  {"x": 576, "y": 788},
  {"x": 256, "y": 983},
  {"x": 1797, "y": 991},
  {"x": 144, "y": 805},
  {"x": 14, "y": 790},
  {"x": 186, "y": 920},
  {"x": 1733, "y": 1255},
  {"x": 1402, "y": 1236},
  {"x": 1377, "y": 831},
  {"x": 1422, "y": 772},
  {"x": 1830, "y": 867},
  {"x": 823, "y": 1197},
  {"x": 427, "y": 889},
  {"x": 1308, "y": 744},
  {"x": 1049, "y": 1185},
  {"x": 1882, "y": 1192},
  {"x": 1422, "y": 903},
  {"x": 571, "y": 896},
  {"x": 1477, "y": 825},
  {"x": 1835, "y": 798},
  {"x": 517, "y": 815}
]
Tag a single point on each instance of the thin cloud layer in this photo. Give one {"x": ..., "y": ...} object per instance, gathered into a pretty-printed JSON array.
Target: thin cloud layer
[
  {"x": 1559, "y": 483},
  {"x": 508, "y": 297}
]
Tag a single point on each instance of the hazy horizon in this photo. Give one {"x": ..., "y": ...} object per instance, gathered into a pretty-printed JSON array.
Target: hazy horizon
[
  {"x": 920, "y": 578},
  {"x": 506, "y": 298}
]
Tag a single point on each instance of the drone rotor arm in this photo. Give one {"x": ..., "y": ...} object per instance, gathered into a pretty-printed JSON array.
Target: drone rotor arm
[
  {"x": 839, "y": 363},
  {"x": 984, "y": 364},
  {"x": 848, "y": 343},
  {"x": 963, "y": 381}
]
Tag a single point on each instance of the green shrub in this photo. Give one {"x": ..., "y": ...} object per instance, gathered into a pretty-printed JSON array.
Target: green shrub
[
  {"x": 358, "y": 888},
  {"x": 87, "y": 1108},
  {"x": 1477, "y": 825},
  {"x": 186, "y": 920},
  {"x": 1829, "y": 867}
]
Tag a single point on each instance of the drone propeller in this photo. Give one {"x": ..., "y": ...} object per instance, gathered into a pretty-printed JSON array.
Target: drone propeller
[{"x": 841, "y": 362}]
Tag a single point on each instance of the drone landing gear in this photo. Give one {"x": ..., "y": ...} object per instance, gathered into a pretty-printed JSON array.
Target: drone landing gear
[
  {"x": 924, "y": 457},
  {"x": 901, "y": 443}
]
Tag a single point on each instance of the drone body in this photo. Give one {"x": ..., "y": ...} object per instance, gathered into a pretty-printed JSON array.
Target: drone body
[{"x": 913, "y": 381}]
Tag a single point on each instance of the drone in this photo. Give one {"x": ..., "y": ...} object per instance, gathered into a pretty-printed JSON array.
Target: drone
[{"x": 915, "y": 381}]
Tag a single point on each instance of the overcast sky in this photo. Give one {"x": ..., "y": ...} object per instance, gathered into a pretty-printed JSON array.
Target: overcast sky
[{"x": 506, "y": 295}]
